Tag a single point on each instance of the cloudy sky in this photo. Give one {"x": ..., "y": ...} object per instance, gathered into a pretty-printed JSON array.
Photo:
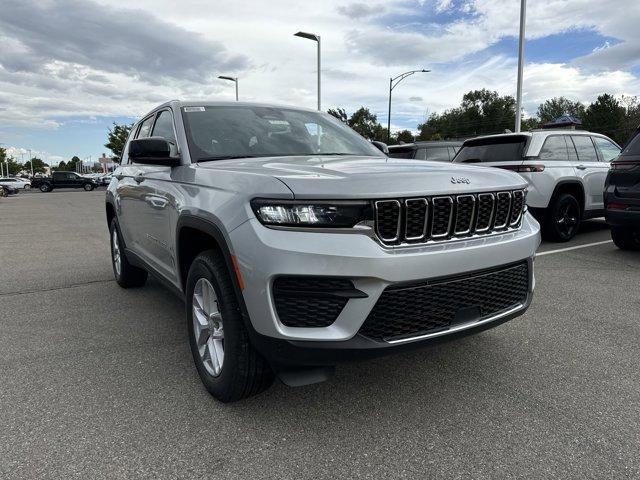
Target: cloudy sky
[{"x": 69, "y": 68}]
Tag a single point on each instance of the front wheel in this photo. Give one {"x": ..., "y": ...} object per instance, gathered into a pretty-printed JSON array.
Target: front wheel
[
  {"x": 45, "y": 187},
  {"x": 228, "y": 365},
  {"x": 626, "y": 238},
  {"x": 562, "y": 220},
  {"x": 27, "y": 187},
  {"x": 88, "y": 187}
]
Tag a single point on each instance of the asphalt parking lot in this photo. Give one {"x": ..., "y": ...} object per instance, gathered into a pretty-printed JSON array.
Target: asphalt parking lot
[{"x": 98, "y": 382}]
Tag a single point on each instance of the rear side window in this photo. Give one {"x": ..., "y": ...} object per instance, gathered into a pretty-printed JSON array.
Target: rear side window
[
  {"x": 438, "y": 154},
  {"x": 633, "y": 147},
  {"x": 401, "y": 152},
  {"x": 554, "y": 148},
  {"x": 584, "y": 147},
  {"x": 498, "y": 149},
  {"x": 164, "y": 127},
  {"x": 145, "y": 128},
  {"x": 608, "y": 149}
]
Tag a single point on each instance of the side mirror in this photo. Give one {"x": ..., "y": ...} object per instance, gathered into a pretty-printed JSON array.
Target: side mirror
[
  {"x": 152, "y": 151},
  {"x": 381, "y": 146}
]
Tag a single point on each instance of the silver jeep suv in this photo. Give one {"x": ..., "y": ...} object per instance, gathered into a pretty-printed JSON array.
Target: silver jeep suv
[
  {"x": 296, "y": 244},
  {"x": 565, "y": 172}
]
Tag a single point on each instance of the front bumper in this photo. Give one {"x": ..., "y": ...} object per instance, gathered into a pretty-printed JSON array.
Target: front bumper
[{"x": 263, "y": 254}]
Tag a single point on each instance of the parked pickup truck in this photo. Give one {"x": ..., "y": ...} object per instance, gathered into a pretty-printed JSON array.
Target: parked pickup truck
[{"x": 64, "y": 180}]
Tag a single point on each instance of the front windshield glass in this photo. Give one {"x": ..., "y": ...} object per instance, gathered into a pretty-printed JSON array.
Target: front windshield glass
[{"x": 250, "y": 131}]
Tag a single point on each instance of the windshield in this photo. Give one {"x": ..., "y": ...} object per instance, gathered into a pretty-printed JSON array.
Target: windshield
[
  {"x": 251, "y": 131},
  {"x": 496, "y": 149}
]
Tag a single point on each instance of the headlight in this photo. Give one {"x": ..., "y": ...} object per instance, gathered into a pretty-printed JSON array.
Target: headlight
[{"x": 318, "y": 214}]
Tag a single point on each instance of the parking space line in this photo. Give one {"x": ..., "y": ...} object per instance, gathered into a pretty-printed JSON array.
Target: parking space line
[{"x": 573, "y": 248}]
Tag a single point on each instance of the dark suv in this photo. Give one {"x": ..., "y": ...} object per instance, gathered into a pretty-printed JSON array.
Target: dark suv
[
  {"x": 622, "y": 196},
  {"x": 434, "y": 151}
]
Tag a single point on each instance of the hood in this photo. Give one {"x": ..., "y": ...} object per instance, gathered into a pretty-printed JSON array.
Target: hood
[{"x": 372, "y": 177}]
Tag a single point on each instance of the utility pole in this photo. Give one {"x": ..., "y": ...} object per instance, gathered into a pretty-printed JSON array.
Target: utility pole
[
  {"x": 523, "y": 14},
  {"x": 315, "y": 38}
]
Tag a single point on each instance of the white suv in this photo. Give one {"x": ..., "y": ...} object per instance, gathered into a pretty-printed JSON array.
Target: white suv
[{"x": 565, "y": 170}]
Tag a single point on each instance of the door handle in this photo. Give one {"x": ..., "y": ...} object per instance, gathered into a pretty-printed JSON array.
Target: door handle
[
  {"x": 139, "y": 177},
  {"x": 581, "y": 167}
]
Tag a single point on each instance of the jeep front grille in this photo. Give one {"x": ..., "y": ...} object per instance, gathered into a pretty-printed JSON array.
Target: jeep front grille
[{"x": 424, "y": 219}]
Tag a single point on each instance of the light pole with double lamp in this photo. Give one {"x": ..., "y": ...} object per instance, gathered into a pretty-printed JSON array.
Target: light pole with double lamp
[
  {"x": 393, "y": 83},
  {"x": 315, "y": 38},
  {"x": 233, "y": 79}
]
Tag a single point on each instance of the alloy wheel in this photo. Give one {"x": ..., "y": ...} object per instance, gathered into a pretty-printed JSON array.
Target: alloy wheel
[
  {"x": 116, "y": 254},
  {"x": 567, "y": 219},
  {"x": 208, "y": 327}
]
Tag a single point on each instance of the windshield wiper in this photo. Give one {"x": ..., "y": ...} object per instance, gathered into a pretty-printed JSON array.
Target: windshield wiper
[{"x": 228, "y": 157}]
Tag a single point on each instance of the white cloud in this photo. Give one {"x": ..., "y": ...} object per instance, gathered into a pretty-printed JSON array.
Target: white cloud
[{"x": 90, "y": 72}]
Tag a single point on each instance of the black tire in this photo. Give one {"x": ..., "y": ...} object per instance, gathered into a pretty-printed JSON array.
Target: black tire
[
  {"x": 87, "y": 187},
  {"x": 129, "y": 276},
  {"x": 244, "y": 371},
  {"x": 45, "y": 187},
  {"x": 626, "y": 238},
  {"x": 562, "y": 218}
]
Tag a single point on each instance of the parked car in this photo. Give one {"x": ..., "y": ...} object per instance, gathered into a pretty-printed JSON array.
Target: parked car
[
  {"x": 565, "y": 171},
  {"x": 295, "y": 251},
  {"x": 16, "y": 182},
  {"x": 435, "y": 151},
  {"x": 63, "y": 180},
  {"x": 9, "y": 190},
  {"x": 622, "y": 196}
]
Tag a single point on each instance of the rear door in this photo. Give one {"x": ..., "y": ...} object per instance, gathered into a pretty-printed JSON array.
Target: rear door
[
  {"x": 591, "y": 170},
  {"x": 624, "y": 177}
]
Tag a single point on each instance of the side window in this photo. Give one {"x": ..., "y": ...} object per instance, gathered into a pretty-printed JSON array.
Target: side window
[
  {"x": 554, "y": 148},
  {"x": 608, "y": 150},
  {"x": 164, "y": 127},
  {"x": 438, "y": 154},
  {"x": 421, "y": 154},
  {"x": 584, "y": 147},
  {"x": 453, "y": 151},
  {"x": 145, "y": 128}
]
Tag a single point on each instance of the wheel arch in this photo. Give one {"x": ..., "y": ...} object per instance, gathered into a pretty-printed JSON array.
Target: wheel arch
[
  {"x": 573, "y": 187},
  {"x": 195, "y": 235}
]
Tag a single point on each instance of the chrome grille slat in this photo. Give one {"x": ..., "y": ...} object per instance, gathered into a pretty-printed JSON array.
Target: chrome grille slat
[
  {"x": 419, "y": 220},
  {"x": 442, "y": 207},
  {"x": 464, "y": 217},
  {"x": 416, "y": 217},
  {"x": 483, "y": 218}
]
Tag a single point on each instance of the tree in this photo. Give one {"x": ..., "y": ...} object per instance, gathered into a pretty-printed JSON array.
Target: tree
[
  {"x": 38, "y": 165},
  {"x": 116, "y": 139},
  {"x": 607, "y": 116},
  {"x": 480, "y": 112},
  {"x": 71, "y": 164},
  {"x": 404, "y": 136},
  {"x": 366, "y": 124},
  {"x": 558, "y": 106},
  {"x": 61, "y": 166},
  {"x": 339, "y": 113}
]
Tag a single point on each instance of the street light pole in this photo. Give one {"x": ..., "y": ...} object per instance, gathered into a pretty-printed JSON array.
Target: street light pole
[
  {"x": 393, "y": 83},
  {"x": 233, "y": 79},
  {"x": 315, "y": 38},
  {"x": 523, "y": 14},
  {"x": 30, "y": 161}
]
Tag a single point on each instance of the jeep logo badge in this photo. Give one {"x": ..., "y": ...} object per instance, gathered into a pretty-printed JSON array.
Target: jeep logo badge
[{"x": 460, "y": 180}]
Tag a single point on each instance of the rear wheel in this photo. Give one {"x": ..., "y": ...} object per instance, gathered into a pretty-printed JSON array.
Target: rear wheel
[
  {"x": 626, "y": 238},
  {"x": 88, "y": 187},
  {"x": 45, "y": 187},
  {"x": 562, "y": 219},
  {"x": 228, "y": 365},
  {"x": 126, "y": 274},
  {"x": 27, "y": 187}
]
